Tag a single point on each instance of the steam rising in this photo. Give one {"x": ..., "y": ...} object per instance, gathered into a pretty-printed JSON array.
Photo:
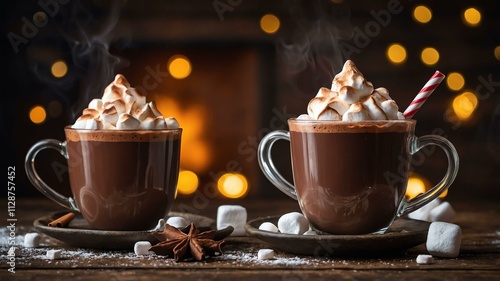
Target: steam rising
[{"x": 315, "y": 44}]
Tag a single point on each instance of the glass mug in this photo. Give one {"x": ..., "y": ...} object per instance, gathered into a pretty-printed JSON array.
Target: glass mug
[
  {"x": 351, "y": 177},
  {"x": 120, "y": 179}
]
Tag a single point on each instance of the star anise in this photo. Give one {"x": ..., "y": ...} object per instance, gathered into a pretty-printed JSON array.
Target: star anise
[{"x": 179, "y": 245}]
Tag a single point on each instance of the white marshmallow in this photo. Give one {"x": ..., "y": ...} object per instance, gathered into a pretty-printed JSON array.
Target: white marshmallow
[
  {"x": 265, "y": 254},
  {"x": 178, "y": 222},
  {"x": 423, "y": 213},
  {"x": 268, "y": 226},
  {"x": 444, "y": 239},
  {"x": 96, "y": 104},
  {"x": 145, "y": 112},
  {"x": 304, "y": 117},
  {"x": 171, "y": 123},
  {"x": 444, "y": 212},
  {"x": 310, "y": 232},
  {"x": 54, "y": 254},
  {"x": 14, "y": 251},
  {"x": 160, "y": 226},
  {"x": 293, "y": 223},
  {"x": 141, "y": 248},
  {"x": 232, "y": 215},
  {"x": 425, "y": 259},
  {"x": 127, "y": 122},
  {"x": 31, "y": 240}
]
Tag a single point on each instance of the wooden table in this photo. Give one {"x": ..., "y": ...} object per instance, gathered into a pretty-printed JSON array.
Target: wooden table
[{"x": 479, "y": 258}]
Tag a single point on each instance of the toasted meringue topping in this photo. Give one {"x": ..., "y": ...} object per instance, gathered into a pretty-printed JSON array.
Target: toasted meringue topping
[
  {"x": 124, "y": 108},
  {"x": 352, "y": 98}
]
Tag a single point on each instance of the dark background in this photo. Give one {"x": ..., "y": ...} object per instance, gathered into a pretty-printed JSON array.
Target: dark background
[{"x": 246, "y": 82}]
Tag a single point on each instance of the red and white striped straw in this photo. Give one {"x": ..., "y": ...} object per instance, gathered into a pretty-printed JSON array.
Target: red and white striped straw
[{"x": 422, "y": 96}]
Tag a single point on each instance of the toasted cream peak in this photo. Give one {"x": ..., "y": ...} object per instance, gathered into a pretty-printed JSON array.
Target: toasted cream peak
[
  {"x": 123, "y": 107},
  {"x": 352, "y": 98}
]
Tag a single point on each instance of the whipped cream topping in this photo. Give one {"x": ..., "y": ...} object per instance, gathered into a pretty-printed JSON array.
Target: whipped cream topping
[
  {"x": 352, "y": 98},
  {"x": 123, "y": 108}
]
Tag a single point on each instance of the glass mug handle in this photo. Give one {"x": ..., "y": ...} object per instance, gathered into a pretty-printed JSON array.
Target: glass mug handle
[
  {"x": 267, "y": 166},
  {"x": 29, "y": 166},
  {"x": 408, "y": 206}
]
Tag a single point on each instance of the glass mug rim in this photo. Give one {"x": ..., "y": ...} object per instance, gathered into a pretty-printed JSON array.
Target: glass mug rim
[
  {"x": 126, "y": 131},
  {"x": 351, "y": 123}
]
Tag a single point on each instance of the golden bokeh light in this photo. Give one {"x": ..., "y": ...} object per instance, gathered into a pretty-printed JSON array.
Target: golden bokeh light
[
  {"x": 59, "y": 69},
  {"x": 472, "y": 17},
  {"x": 422, "y": 14},
  {"x": 233, "y": 185},
  {"x": 416, "y": 186},
  {"x": 455, "y": 81},
  {"x": 429, "y": 56},
  {"x": 179, "y": 66},
  {"x": 38, "y": 114},
  {"x": 396, "y": 53},
  {"x": 496, "y": 52},
  {"x": 464, "y": 105},
  {"x": 188, "y": 182},
  {"x": 419, "y": 185},
  {"x": 269, "y": 23}
]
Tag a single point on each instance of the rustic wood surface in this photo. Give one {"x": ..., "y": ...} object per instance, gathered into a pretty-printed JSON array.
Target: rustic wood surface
[{"x": 479, "y": 258}]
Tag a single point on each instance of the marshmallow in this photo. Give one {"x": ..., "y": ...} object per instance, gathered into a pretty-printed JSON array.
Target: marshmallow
[
  {"x": 54, "y": 254},
  {"x": 232, "y": 215},
  {"x": 444, "y": 212},
  {"x": 145, "y": 112},
  {"x": 31, "y": 240},
  {"x": 425, "y": 259},
  {"x": 265, "y": 254},
  {"x": 293, "y": 223},
  {"x": 141, "y": 248},
  {"x": 96, "y": 104},
  {"x": 127, "y": 122},
  {"x": 310, "y": 232},
  {"x": 171, "y": 123},
  {"x": 14, "y": 251},
  {"x": 304, "y": 117},
  {"x": 267, "y": 226},
  {"x": 178, "y": 222},
  {"x": 423, "y": 213},
  {"x": 444, "y": 239},
  {"x": 160, "y": 226}
]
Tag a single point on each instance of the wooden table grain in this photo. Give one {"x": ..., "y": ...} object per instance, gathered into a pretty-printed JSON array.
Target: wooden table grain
[{"x": 479, "y": 257}]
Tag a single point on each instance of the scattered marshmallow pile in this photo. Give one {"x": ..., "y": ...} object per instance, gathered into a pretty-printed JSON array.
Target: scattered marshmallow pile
[
  {"x": 434, "y": 211},
  {"x": 124, "y": 108},
  {"x": 352, "y": 98},
  {"x": 32, "y": 240}
]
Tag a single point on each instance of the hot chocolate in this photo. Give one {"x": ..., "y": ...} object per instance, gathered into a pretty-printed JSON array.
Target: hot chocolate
[
  {"x": 123, "y": 180},
  {"x": 345, "y": 190}
]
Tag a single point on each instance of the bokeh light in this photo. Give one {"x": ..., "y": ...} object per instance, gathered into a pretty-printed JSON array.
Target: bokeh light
[
  {"x": 38, "y": 114},
  {"x": 472, "y": 17},
  {"x": 188, "y": 182},
  {"x": 396, "y": 53},
  {"x": 464, "y": 105},
  {"x": 269, "y": 23},
  {"x": 179, "y": 66},
  {"x": 416, "y": 186},
  {"x": 429, "y": 56},
  {"x": 233, "y": 185},
  {"x": 496, "y": 52},
  {"x": 455, "y": 81},
  {"x": 59, "y": 69},
  {"x": 422, "y": 14}
]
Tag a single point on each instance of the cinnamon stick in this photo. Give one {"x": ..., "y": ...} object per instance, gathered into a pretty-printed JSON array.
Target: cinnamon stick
[{"x": 62, "y": 221}]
